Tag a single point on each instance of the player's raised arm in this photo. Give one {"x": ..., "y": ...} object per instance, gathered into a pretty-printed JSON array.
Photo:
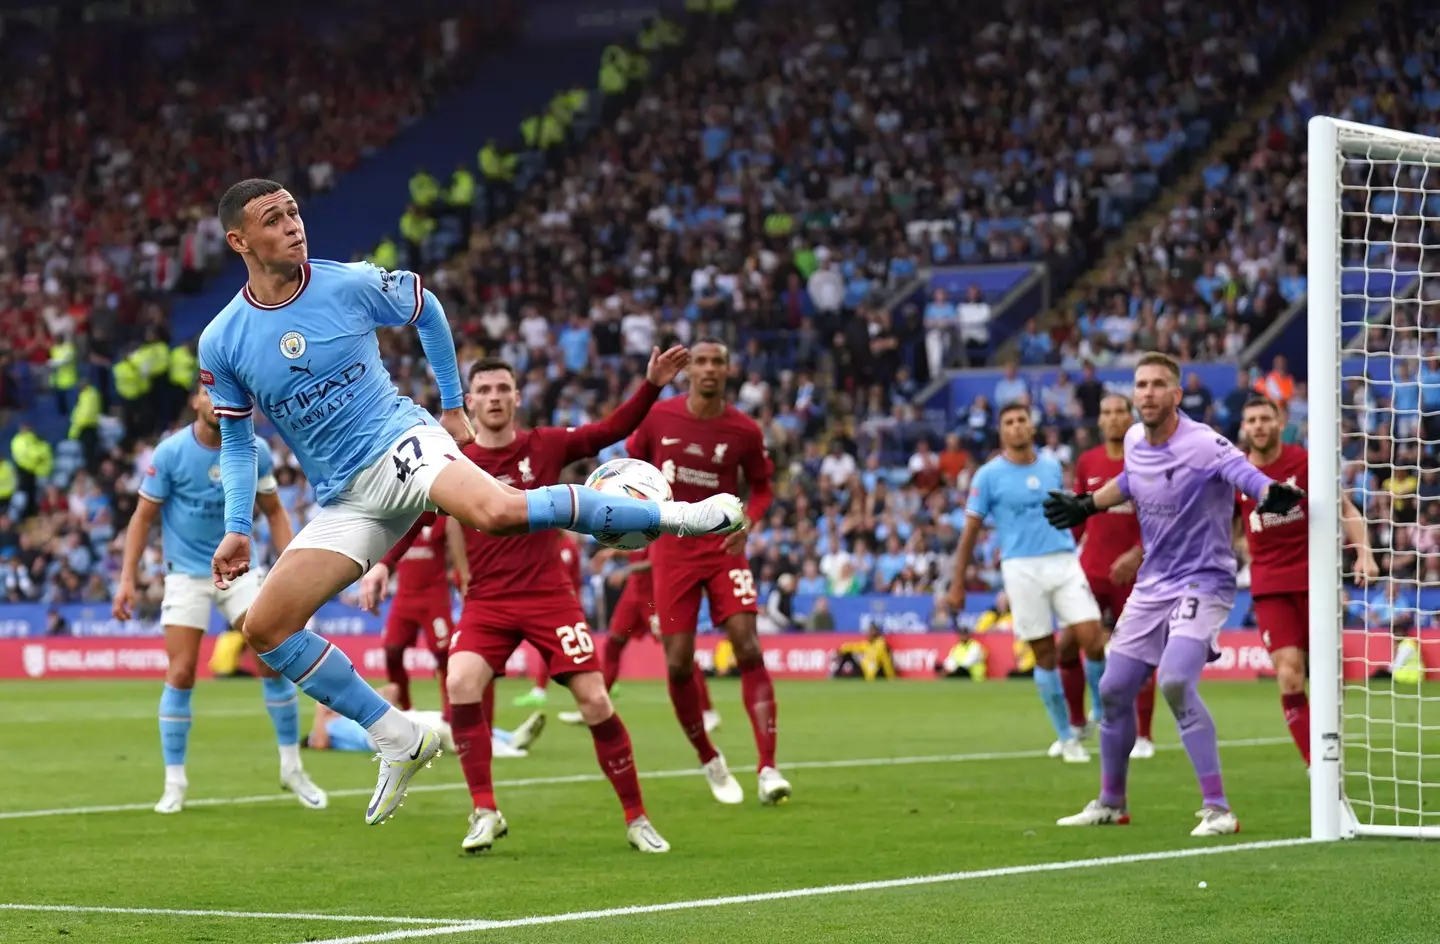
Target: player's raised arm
[
  {"x": 1066, "y": 510},
  {"x": 1229, "y": 464},
  {"x": 238, "y": 457},
  {"x": 582, "y": 442}
]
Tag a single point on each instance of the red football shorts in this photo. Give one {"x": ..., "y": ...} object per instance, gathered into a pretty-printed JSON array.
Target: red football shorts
[
  {"x": 1284, "y": 620},
  {"x": 407, "y": 619},
  {"x": 1110, "y": 596},
  {"x": 634, "y": 615},
  {"x": 725, "y": 579},
  {"x": 556, "y": 628}
]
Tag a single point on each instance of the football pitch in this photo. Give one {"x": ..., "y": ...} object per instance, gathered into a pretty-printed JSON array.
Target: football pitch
[{"x": 922, "y": 812}]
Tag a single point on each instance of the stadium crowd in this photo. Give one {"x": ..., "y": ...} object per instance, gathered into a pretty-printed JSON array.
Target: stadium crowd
[{"x": 817, "y": 169}]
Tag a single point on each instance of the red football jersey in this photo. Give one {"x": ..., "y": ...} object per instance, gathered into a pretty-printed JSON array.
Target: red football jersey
[
  {"x": 1113, "y": 532},
  {"x": 1280, "y": 544},
  {"x": 420, "y": 572},
  {"x": 570, "y": 558},
  {"x": 640, "y": 582},
  {"x": 700, "y": 458}
]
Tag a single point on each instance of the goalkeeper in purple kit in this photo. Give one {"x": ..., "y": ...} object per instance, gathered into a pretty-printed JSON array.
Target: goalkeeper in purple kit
[{"x": 1181, "y": 476}]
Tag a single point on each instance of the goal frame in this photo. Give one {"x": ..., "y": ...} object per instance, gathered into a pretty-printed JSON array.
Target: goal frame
[{"x": 1331, "y": 816}]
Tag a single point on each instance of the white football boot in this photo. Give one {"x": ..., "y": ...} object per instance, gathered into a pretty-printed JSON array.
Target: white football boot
[
  {"x": 525, "y": 735},
  {"x": 712, "y": 720},
  {"x": 1097, "y": 814},
  {"x": 722, "y": 783},
  {"x": 486, "y": 826},
  {"x": 772, "y": 788},
  {"x": 173, "y": 799},
  {"x": 570, "y": 717},
  {"x": 1073, "y": 752},
  {"x": 1144, "y": 749},
  {"x": 1216, "y": 822},
  {"x": 298, "y": 782},
  {"x": 643, "y": 837},
  {"x": 718, "y": 514},
  {"x": 396, "y": 773},
  {"x": 1056, "y": 749}
]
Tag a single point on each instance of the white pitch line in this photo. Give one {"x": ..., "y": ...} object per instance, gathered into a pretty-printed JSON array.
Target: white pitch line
[
  {"x": 946, "y": 877},
  {"x": 206, "y": 913},
  {"x": 598, "y": 778}
]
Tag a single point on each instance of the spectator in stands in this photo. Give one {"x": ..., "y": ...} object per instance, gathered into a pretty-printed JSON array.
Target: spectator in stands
[
  {"x": 973, "y": 316},
  {"x": 1088, "y": 394},
  {"x": 940, "y": 334},
  {"x": 839, "y": 466},
  {"x": 1197, "y": 401},
  {"x": 1278, "y": 385},
  {"x": 1011, "y": 388}
]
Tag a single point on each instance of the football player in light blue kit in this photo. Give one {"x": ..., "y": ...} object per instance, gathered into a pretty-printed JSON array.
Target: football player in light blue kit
[
  {"x": 1182, "y": 477},
  {"x": 1041, "y": 570},
  {"x": 182, "y": 487},
  {"x": 298, "y": 343}
]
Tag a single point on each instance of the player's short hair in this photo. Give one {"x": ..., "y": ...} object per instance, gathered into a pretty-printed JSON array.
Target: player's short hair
[
  {"x": 711, "y": 339},
  {"x": 487, "y": 364},
  {"x": 1259, "y": 399},
  {"x": 1156, "y": 359},
  {"x": 1012, "y": 407},
  {"x": 232, "y": 205},
  {"x": 1117, "y": 395}
]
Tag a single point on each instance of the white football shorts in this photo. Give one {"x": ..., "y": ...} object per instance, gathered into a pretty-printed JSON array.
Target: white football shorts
[
  {"x": 188, "y": 599},
  {"x": 1045, "y": 592},
  {"x": 383, "y": 501}
]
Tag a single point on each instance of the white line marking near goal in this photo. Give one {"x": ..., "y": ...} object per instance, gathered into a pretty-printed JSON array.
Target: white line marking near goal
[
  {"x": 943, "y": 878},
  {"x": 206, "y": 913},
  {"x": 598, "y": 778}
]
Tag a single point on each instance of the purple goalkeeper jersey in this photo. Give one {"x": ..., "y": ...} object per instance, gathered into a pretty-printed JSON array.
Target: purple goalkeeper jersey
[{"x": 1184, "y": 495}]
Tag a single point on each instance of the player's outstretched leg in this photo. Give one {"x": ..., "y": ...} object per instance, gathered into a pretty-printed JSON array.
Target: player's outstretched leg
[
  {"x": 182, "y": 648},
  {"x": 1122, "y": 679},
  {"x": 1178, "y": 679},
  {"x": 707, "y": 710},
  {"x": 282, "y": 704},
  {"x": 1144, "y": 748},
  {"x": 757, "y": 690},
  {"x": 617, "y": 758},
  {"x": 680, "y": 678},
  {"x": 472, "y": 706},
  {"x": 301, "y": 580}
]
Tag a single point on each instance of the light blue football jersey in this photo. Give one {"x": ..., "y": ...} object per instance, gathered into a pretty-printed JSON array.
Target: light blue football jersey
[
  {"x": 312, "y": 365},
  {"x": 184, "y": 478},
  {"x": 1012, "y": 497}
]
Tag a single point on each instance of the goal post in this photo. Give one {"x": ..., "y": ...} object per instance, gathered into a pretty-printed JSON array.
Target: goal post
[{"x": 1373, "y": 205}]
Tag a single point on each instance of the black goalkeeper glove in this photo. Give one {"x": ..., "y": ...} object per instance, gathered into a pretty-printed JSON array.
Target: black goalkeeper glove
[
  {"x": 1066, "y": 510},
  {"x": 1279, "y": 498}
]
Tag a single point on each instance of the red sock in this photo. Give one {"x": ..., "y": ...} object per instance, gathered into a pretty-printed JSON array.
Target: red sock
[
  {"x": 395, "y": 672},
  {"x": 1072, "y": 680},
  {"x": 686, "y": 699},
  {"x": 472, "y": 744},
  {"x": 487, "y": 702},
  {"x": 617, "y": 759},
  {"x": 614, "y": 645},
  {"x": 758, "y": 693},
  {"x": 442, "y": 659},
  {"x": 1297, "y": 719},
  {"x": 1145, "y": 708},
  {"x": 703, "y": 687}
]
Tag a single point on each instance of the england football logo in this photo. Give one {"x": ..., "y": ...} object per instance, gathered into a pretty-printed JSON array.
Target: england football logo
[{"x": 292, "y": 344}]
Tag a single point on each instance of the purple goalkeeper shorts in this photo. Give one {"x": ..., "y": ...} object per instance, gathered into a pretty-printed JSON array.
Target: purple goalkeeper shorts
[{"x": 1149, "y": 620}]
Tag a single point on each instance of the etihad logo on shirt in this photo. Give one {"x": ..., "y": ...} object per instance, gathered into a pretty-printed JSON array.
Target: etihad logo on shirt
[{"x": 315, "y": 401}]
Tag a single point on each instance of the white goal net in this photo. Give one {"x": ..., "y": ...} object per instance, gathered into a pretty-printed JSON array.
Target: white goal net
[{"x": 1374, "y": 437}]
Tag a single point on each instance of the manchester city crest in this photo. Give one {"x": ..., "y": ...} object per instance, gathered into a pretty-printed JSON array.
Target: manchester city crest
[{"x": 292, "y": 344}]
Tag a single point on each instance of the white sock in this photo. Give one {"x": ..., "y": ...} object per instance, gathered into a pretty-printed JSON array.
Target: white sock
[
  {"x": 289, "y": 758},
  {"x": 393, "y": 733},
  {"x": 175, "y": 773}
]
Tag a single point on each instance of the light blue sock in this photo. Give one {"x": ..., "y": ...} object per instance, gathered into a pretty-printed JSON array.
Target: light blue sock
[
  {"x": 326, "y": 675},
  {"x": 501, "y": 735},
  {"x": 284, "y": 707},
  {"x": 1093, "y": 671},
  {"x": 1052, "y": 696},
  {"x": 576, "y": 508},
  {"x": 174, "y": 725}
]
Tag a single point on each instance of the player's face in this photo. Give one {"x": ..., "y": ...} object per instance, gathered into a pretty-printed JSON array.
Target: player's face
[
  {"x": 204, "y": 409},
  {"x": 709, "y": 366},
  {"x": 1262, "y": 428},
  {"x": 1157, "y": 394},
  {"x": 493, "y": 399},
  {"x": 1016, "y": 430},
  {"x": 1115, "y": 418},
  {"x": 272, "y": 231}
]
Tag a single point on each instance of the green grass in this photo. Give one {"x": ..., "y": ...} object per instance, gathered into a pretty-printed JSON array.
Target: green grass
[{"x": 80, "y": 744}]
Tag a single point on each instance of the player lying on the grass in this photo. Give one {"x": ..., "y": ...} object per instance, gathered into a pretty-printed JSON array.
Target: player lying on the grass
[
  {"x": 520, "y": 592},
  {"x": 633, "y": 618},
  {"x": 1182, "y": 477},
  {"x": 1110, "y": 555},
  {"x": 704, "y": 445},
  {"x": 182, "y": 486},
  {"x": 1279, "y": 546},
  {"x": 1042, "y": 575},
  {"x": 334, "y": 732},
  {"x": 299, "y": 342},
  {"x": 422, "y": 604}
]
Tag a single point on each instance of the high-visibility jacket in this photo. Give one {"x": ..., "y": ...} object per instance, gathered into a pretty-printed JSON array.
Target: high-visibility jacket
[
  {"x": 183, "y": 367},
  {"x": 86, "y": 414},
  {"x": 637, "y": 67},
  {"x": 9, "y": 479},
  {"x": 462, "y": 188},
  {"x": 153, "y": 359},
  {"x": 32, "y": 454},
  {"x": 386, "y": 255},
  {"x": 414, "y": 227},
  {"x": 63, "y": 372},
  {"x": 130, "y": 381},
  {"x": 424, "y": 189},
  {"x": 496, "y": 165}
]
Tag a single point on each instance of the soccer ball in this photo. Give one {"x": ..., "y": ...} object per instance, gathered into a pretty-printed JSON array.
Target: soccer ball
[{"x": 631, "y": 478}]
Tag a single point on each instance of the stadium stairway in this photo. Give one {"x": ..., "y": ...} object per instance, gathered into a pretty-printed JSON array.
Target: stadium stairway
[{"x": 1340, "y": 27}]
